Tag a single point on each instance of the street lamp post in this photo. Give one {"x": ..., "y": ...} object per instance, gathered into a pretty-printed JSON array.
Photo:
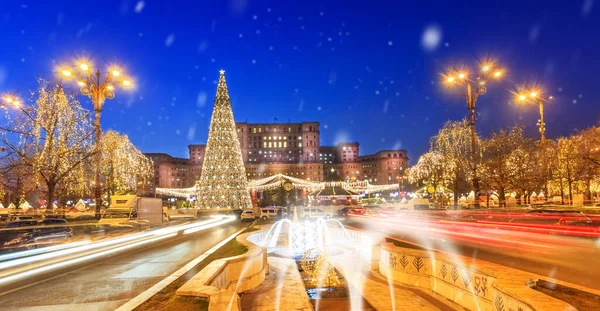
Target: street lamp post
[
  {"x": 475, "y": 87},
  {"x": 98, "y": 90},
  {"x": 536, "y": 98}
]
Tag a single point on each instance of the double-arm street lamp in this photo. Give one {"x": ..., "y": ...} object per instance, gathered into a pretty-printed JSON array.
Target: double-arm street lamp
[
  {"x": 474, "y": 85},
  {"x": 536, "y": 97},
  {"x": 98, "y": 89},
  {"x": 10, "y": 100}
]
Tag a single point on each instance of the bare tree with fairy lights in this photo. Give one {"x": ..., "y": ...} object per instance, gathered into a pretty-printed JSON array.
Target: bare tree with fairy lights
[{"x": 223, "y": 182}]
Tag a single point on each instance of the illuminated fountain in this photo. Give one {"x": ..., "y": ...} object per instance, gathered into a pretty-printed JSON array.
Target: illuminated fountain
[{"x": 304, "y": 235}]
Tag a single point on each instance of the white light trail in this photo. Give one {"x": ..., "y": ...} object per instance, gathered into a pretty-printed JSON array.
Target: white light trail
[
  {"x": 115, "y": 243},
  {"x": 32, "y": 272}
]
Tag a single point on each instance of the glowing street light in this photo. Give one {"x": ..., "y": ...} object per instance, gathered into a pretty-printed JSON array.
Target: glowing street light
[
  {"x": 10, "y": 100},
  {"x": 534, "y": 96},
  {"x": 474, "y": 87},
  {"x": 98, "y": 90}
]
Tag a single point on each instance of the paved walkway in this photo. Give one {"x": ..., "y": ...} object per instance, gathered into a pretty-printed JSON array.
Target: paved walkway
[
  {"x": 382, "y": 295},
  {"x": 282, "y": 289}
]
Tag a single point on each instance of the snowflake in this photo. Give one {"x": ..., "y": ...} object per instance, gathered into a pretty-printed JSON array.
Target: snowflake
[
  {"x": 254, "y": 61},
  {"x": 321, "y": 13},
  {"x": 170, "y": 39},
  {"x": 254, "y": 17},
  {"x": 139, "y": 6},
  {"x": 390, "y": 43},
  {"x": 241, "y": 35},
  {"x": 319, "y": 108},
  {"x": 431, "y": 37}
]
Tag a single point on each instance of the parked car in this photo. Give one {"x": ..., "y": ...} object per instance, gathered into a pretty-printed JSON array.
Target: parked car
[
  {"x": 356, "y": 212},
  {"x": 344, "y": 211},
  {"x": 27, "y": 234},
  {"x": 266, "y": 213},
  {"x": 247, "y": 216},
  {"x": 237, "y": 212},
  {"x": 21, "y": 223},
  {"x": 314, "y": 213},
  {"x": 16, "y": 217}
]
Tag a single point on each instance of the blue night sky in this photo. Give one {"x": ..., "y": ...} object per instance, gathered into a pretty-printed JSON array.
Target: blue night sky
[{"x": 369, "y": 71}]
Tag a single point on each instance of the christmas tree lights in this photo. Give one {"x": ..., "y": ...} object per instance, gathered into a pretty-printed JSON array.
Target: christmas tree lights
[{"x": 223, "y": 182}]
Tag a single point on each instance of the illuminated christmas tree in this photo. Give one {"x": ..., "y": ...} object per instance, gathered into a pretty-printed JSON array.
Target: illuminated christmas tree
[{"x": 223, "y": 182}]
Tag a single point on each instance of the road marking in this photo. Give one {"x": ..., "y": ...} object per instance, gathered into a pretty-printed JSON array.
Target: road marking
[{"x": 147, "y": 294}]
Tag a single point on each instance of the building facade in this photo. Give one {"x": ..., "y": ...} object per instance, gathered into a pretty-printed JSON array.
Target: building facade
[{"x": 293, "y": 149}]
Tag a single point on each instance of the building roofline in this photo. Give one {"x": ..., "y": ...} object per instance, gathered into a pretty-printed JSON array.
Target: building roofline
[{"x": 275, "y": 123}]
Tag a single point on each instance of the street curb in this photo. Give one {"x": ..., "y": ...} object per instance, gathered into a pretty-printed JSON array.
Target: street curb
[{"x": 147, "y": 294}]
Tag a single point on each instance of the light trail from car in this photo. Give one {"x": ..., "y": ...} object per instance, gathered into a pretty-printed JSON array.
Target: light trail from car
[{"x": 25, "y": 267}]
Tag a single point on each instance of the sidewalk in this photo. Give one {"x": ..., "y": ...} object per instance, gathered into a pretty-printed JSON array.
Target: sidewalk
[
  {"x": 282, "y": 289},
  {"x": 384, "y": 296}
]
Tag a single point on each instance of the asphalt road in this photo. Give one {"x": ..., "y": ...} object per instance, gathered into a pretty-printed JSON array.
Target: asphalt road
[
  {"x": 573, "y": 260},
  {"x": 112, "y": 282}
]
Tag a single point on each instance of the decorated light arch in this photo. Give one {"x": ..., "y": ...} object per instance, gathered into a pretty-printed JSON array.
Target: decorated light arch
[{"x": 289, "y": 182}]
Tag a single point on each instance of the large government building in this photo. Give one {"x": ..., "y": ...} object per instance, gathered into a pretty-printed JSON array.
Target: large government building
[{"x": 293, "y": 149}]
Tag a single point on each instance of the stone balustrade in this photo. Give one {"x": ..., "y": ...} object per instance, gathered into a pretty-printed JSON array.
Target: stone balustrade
[
  {"x": 473, "y": 284},
  {"x": 223, "y": 279}
]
